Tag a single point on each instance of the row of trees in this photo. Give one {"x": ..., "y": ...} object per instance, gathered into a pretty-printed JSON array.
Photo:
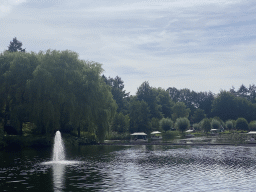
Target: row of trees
[
  {"x": 150, "y": 105},
  {"x": 56, "y": 90}
]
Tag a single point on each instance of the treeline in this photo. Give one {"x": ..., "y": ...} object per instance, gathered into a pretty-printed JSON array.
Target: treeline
[
  {"x": 55, "y": 90},
  {"x": 151, "y": 106}
]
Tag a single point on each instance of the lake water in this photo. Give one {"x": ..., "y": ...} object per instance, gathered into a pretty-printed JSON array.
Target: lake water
[{"x": 131, "y": 168}]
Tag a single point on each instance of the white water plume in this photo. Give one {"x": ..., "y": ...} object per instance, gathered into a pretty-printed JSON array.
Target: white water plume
[{"x": 58, "y": 149}]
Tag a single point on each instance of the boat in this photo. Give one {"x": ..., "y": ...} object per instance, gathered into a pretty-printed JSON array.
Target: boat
[
  {"x": 139, "y": 137},
  {"x": 188, "y": 133},
  {"x": 156, "y": 135},
  {"x": 251, "y": 135}
]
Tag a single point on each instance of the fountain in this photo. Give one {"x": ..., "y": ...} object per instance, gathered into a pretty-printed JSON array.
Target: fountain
[
  {"x": 58, "y": 152},
  {"x": 58, "y": 148}
]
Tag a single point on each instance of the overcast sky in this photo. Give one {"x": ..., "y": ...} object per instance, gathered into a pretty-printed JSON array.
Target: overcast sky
[{"x": 203, "y": 45}]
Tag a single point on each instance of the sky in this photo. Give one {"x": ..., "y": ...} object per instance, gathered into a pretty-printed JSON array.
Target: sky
[{"x": 202, "y": 45}]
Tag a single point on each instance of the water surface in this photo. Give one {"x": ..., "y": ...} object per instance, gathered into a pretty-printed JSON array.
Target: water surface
[{"x": 131, "y": 168}]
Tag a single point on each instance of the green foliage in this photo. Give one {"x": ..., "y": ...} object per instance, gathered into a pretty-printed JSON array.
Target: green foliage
[
  {"x": 228, "y": 106},
  {"x": 242, "y": 124},
  {"x": 55, "y": 90},
  {"x": 224, "y": 106},
  {"x": 155, "y": 124},
  {"x": 179, "y": 110},
  {"x": 118, "y": 136},
  {"x": 197, "y": 126},
  {"x": 166, "y": 124},
  {"x": 192, "y": 100},
  {"x": 252, "y": 126},
  {"x": 121, "y": 123},
  {"x": 198, "y": 115},
  {"x": 206, "y": 125},
  {"x": 229, "y": 125},
  {"x": 164, "y": 100},
  {"x": 139, "y": 116},
  {"x": 215, "y": 124},
  {"x": 182, "y": 124},
  {"x": 169, "y": 135},
  {"x": 149, "y": 95},
  {"x": 15, "y": 46},
  {"x": 118, "y": 92}
]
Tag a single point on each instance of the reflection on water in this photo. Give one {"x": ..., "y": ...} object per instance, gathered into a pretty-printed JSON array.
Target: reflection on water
[
  {"x": 58, "y": 179},
  {"x": 132, "y": 168}
]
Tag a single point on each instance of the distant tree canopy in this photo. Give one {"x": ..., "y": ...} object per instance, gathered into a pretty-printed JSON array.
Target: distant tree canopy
[
  {"x": 54, "y": 89},
  {"x": 180, "y": 110},
  {"x": 228, "y": 106},
  {"x": 147, "y": 94},
  {"x": 118, "y": 92},
  {"x": 15, "y": 46},
  {"x": 192, "y": 100},
  {"x": 139, "y": 116}
]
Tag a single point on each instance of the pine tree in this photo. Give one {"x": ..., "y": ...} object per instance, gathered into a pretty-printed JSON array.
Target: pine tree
[{"x": 15, "y": 46}]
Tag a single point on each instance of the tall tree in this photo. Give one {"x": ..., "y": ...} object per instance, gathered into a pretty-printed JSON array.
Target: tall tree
[
  {"x": 118, "y": 92},
  {"x": 16, "y": 70},
  {"x": 180, "y": 110},
  {"x": 146, "y": 93},
  {"x": 55, "y": 89},
  {"x": 139, "y": 116},
  {"x": 15, "y": 46},
  {"x": 198, "y": 115},
  {"x": 224, "y": 106},
  {"x": 165, "y": 102}
]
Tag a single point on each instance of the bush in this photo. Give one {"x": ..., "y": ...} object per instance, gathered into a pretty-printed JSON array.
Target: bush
[
  {"x": 229, "y": 125},
  {"x": 118, "y": 136},
  {"x": 169, "y": 135},
  {"x": 252, "y": 126},
  {"x": 242, "y": 124},
  {"x": 197, "y": 127},
  {"x": 206, "y": 125},
  {"x": 166, "y": 124},
  {"x": 215, "y": 124},
  {"x": 182, "y": 124}
]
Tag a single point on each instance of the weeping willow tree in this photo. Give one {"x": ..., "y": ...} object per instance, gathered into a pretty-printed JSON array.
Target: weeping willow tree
[
  {"x": 15, "y": 70},
  {"x": 55, "y": 90}
]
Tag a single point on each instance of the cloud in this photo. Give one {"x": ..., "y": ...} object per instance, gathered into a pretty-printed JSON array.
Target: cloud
[
  {"x": 168, "y": 43},
  {"x": 6, "y": 6}
]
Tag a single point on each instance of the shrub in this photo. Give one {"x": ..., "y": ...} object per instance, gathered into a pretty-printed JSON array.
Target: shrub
[
  {"x": 182, "y": 124},
  {"x": 242, "y": 124},
  {"x": 215, "y": 124},
  {"x": 229, "y": 125},
  {"x": 252, "y": 126},
  {"x": 206, "y": 125},
  {"x": 118, "y": 136},
  {"x": 166, "y": 124},
  {"x": 169, "y": 135},
  {"x": 197, "y": 127}
]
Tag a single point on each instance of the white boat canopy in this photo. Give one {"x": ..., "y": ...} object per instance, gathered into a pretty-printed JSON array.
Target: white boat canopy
[
  {"x": 189, "y": 131},
  {"x": 252, "y": 133},
  {"x": 139, "y": 133},
  {"x": 155, "y": 132},
  {"x": 214, "y": 130}
]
